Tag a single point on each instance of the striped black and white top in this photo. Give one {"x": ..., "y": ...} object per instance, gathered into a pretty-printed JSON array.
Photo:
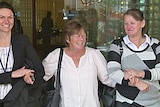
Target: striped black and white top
[{"x": 146, "y": 58}]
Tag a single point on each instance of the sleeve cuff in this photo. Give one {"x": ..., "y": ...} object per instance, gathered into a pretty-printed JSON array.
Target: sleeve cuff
[{"x": 147, "y": 74}]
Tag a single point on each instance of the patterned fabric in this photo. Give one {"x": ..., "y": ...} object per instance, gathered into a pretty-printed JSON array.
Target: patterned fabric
[{"x": 148, "y": 60}]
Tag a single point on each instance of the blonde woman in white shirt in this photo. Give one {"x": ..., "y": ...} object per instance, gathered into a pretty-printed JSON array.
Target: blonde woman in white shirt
[{"x": 80, "y": 70}]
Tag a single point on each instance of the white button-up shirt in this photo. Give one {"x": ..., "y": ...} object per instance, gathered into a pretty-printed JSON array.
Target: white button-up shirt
[{"x": 79, "y": 85}]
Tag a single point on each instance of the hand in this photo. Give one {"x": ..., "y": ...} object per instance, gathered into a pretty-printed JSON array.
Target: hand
[
  {"x": 126, "y": 75},
  {"x": 129, "y": 73},
  {"x": 141, "y": 85},
  {"x": 21, "y": 72},
  {"x": 28, "y": 78},
  {"x": 133, "y": 81}
]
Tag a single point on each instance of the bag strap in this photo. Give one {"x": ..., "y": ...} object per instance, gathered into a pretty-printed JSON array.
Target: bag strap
[
  {"x": 58, "y": 85},
  {"x": 120, "y": 45}
]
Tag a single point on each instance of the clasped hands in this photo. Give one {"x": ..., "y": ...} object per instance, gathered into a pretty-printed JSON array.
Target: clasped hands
[
  {"x": 134, "y": 77},
  {"x": 27, "y": 74}
]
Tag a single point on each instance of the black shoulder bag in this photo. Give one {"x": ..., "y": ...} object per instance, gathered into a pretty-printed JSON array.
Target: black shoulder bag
[
  {"x": 109, "y": 93},
  {"x": 51, "y": 98}
]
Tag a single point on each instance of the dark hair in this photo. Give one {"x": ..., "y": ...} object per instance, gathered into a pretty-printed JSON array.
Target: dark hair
[
  {"x": 6, "y": 5},
  {"x": 73, "y": 27},
  {"x": 48, "y": 13},
  {"x": 137, "y": 15}
]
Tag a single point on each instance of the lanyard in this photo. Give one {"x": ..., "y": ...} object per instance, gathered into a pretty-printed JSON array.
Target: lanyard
[{"x": 5, "y": 68}]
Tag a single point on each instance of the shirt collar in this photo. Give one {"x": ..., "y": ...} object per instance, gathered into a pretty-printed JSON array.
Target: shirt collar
[{"x": 127, "y": 41}]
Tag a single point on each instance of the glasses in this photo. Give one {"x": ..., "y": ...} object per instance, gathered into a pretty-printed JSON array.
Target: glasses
[
  {"x": 79, "y": 36},
  {"x": 2, "y": 18}
]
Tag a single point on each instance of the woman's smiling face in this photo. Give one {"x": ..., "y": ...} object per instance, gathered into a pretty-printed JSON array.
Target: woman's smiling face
[
  {"x": 6, "y": 20},
  {"x": 132, "y": 26},
  {"x": 77, "y": 41}
]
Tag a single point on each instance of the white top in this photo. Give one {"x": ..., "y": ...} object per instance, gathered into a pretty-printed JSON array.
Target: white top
[
  {"x": 5, "y": 88},
  {"x": 133, "y": 46},
  {"x": 79, "y": 86}
]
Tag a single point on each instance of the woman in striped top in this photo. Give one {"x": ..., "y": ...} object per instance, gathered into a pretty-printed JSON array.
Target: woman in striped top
[{"x": 137, "y": 69}]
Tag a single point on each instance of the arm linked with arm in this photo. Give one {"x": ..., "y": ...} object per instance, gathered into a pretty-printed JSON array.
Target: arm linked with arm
[{"x": 34, "y": 62}]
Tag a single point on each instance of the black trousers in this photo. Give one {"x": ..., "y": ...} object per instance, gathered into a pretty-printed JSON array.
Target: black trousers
[{"x": 124, "y": 104}]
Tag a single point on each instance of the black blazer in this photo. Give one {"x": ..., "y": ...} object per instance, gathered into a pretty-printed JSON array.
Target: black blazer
[
  {"x": 22, "y": 51},
  {"x": 21, "y": 93}
]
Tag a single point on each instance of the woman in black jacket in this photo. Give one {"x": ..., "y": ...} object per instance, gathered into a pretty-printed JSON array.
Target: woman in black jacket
[{"x": 21, "y": 70}]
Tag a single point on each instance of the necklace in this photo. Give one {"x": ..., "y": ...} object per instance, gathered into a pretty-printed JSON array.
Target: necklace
[{"x": 5, "y": 68}]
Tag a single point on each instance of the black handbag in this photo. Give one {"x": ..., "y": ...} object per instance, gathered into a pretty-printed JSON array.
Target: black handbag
[
  {"x": 52, "y": 98},
  {"x": 109, "y": 96},
  {"x": 109, "y": 93}
]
